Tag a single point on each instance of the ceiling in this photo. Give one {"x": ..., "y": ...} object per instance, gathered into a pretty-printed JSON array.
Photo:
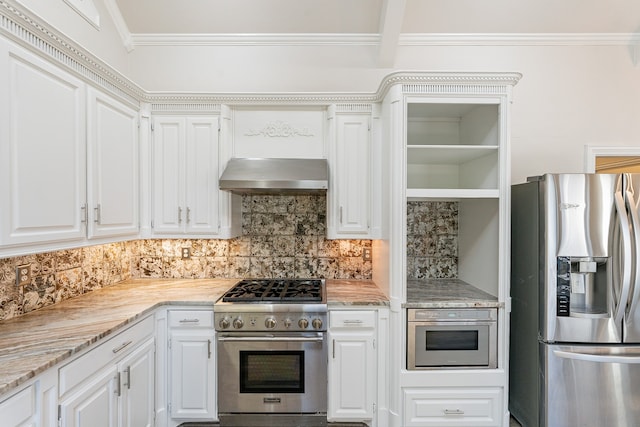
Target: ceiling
[
  {"x": 378, "y": 16},
  {"x": 385, "y": 23}
]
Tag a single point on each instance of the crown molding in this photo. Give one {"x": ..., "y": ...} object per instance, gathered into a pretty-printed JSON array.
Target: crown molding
[
  {"x": 461, "y": 83},
  {"x": 520, "y": 39},
  {"x": 407, "y": 39},
  {"x": 255, "y": 39}
]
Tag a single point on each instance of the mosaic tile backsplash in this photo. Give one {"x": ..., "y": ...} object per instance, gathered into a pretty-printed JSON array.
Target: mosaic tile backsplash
[
  {"x": 432, "y": 240},
  {"x": 282, "y": 236}
]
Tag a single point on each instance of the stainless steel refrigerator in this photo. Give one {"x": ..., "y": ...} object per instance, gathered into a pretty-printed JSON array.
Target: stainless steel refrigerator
[{"x": 575, "y": 287}]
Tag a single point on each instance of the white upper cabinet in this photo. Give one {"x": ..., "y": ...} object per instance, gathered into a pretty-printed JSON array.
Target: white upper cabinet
[
  {"x": 186, "y": 168},
  {"x": 113, "y": 167},
  {"x": 42, "y": 150},
  {"x": 351, "y": 199}
]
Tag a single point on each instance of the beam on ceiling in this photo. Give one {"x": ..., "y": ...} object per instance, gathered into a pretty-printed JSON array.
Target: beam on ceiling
[{"x": 391, "y": 17}]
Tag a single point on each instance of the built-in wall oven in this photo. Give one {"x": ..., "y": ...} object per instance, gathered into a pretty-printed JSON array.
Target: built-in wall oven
[
  {"x": 451, "y": 338},
  {"x": 272, "y": 355}
]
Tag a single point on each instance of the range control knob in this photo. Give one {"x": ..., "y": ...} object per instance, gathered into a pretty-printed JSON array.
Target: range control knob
[
  {"x": 270, "y": 322},
  {"x": 238, "y": 323},
  {"x": 303, "y": 323},
  {"x": 287, "y": 323},
  {"x": 316, "y": 323},
  {"x": 224, "y": 323}
]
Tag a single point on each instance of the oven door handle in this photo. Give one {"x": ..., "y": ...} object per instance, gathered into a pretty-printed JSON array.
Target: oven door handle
[{"x": 270, "y": 338}]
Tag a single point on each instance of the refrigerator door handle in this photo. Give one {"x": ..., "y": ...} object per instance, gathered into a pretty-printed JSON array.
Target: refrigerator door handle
[
  {"x": 597, "y": 358},
  {"x": 626, "y": 258},
  {"x": 635, "y": 222}
]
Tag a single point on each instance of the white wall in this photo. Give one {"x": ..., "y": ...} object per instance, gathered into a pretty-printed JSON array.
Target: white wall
[{"x": 569, "y": 96}]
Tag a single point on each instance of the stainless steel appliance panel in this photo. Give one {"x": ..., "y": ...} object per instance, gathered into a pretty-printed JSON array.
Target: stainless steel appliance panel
[
  {"x": 577, "y": 214},
  {"x": 574, "y": 289},
  {"x": 451, "y": 338},
  {"x": 587, "y": 386},
  {"x": 272, "y": 373}
]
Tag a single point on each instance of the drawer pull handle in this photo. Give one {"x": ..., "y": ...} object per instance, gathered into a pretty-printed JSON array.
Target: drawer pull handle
[
  {"x": 118, "y": 349},
  {"x": 190, "y": 321},
  {"x": 352, "y": 322},
  {"x": 453, "y": 412}
]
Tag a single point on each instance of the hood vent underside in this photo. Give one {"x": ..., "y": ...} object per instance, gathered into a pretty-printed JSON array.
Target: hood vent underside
[{"x": 275, "y": 176}]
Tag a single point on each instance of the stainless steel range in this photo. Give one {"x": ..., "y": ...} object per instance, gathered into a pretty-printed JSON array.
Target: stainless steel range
[{"x": 272, "y": 358}]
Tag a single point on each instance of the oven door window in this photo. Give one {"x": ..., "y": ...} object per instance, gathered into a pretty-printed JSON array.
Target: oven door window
[
  {"x": 271, "y": 371},
  {"x": 451, "y": 340}
]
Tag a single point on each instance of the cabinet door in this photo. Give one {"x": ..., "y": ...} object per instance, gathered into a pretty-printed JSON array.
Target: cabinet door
[
  {"x": 137, "y": 387},
  {"x": 42, "y": 150},
  {"x": 352, "y": 177},
  {"x": 20, "y": 409},
  {"x": 113, "y": 167},
  {"x": 192, "y": 374},
  {"x": 168, "y": 174},
  {"x": 202, "y": 193},
  {"x": 95, "y": 404},
  {"x": 351, "y": 375}
]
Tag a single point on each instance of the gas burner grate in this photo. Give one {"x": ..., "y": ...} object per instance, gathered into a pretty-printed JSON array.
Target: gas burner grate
[{"x": 275, "y": 290}]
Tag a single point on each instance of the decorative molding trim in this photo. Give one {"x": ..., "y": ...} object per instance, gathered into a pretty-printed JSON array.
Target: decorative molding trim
[
  {"x": 353, "y": 108},
  {"x": 255, "y": 39},
  {"x": 476, "y": 83},
  {"x": 407, "y": 39},
  {"x": 520, "y": 39},
  {"x": 259, "y": 98},
  {"x": 279, "y": 129},
  {"x": 187, "y": 107}
]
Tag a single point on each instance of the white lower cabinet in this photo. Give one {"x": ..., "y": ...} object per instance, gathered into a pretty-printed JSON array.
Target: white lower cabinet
[
  {"x": 453, "y": 406},
  {"x": 34, "y": 405},
  {"x": 137, "y": 375},
  {"x": 112, "y": 384},
  {"x": 352, "y": 365},
  {"x": 192, "y": 379}
]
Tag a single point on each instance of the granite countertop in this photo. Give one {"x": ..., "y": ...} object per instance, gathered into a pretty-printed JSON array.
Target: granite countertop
[
  {"x": 354, "y": 293},
  {"x": 35, "y": 342},
  {"x": 447, "y": 293}
]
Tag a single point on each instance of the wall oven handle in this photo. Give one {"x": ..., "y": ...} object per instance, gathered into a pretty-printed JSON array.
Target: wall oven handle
[{"x": 270, "y": 338}]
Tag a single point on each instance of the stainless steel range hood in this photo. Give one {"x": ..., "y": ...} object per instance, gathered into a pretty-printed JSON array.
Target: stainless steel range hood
[{"x": 275, "y": 176}]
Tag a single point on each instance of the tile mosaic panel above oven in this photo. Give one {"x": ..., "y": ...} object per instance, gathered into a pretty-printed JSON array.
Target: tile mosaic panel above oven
[{"x": 432, "y": 240}]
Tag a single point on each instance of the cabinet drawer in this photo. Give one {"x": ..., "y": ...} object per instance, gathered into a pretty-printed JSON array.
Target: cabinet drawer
[
  {"x": 83, "y": 367},
  {"x": 191, "y": 319},
  {"x": 352, "y": 319},
  {"x": 452, "y": 406}
]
